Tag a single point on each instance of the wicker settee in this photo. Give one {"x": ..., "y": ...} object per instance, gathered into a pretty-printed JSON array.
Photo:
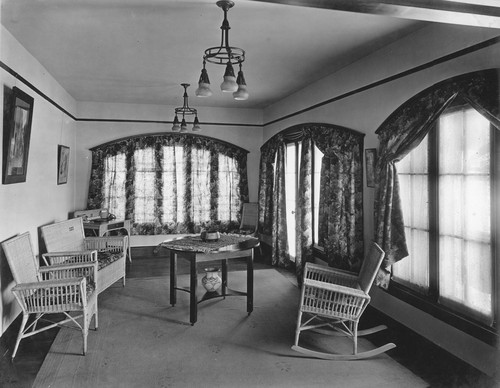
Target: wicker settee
[{"x": 68, "y": 239}]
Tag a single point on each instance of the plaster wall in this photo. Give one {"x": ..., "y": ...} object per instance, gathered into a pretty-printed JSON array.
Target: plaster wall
[
  {"x": 366, "y": 110},
  {"x": 24, "y": 207}
]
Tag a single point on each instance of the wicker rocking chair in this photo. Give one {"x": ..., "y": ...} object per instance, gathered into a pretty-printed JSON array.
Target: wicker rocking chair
[
  {"x": 67, "y": 289},
  {"x": 334, "y": 301}
]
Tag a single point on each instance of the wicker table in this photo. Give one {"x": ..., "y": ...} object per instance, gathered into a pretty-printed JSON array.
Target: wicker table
[{"x": 193, "y": 249}]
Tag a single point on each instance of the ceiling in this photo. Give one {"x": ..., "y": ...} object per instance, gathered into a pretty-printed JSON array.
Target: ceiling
[{"x": 140, "y": 51}]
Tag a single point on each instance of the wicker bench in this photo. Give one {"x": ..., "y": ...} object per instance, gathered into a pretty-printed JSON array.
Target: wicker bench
[{"x": 69, "y": 237}]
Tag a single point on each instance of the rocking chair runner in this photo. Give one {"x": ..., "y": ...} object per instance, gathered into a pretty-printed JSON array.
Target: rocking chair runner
[
  {"x": 56, "y": 289},
  {"x": 334, "y": 301}
]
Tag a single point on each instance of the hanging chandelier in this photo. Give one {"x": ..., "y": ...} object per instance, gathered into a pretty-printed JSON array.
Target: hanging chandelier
[
  {"x": 185, "y": 110},
  {"x": 224, "y": 55}
]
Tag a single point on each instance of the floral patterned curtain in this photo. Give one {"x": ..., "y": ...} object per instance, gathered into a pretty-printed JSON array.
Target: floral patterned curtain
[
  {"x": 280, "y": 255},
  {"x": 266, "y": 185},
  {"x": 304, "y": 211},
  {"x": 341, "y": 197},
  {"x": 170, "y": 183},
  {"x": 401, "y": 133},
  {"x": 341, "y": 231}
]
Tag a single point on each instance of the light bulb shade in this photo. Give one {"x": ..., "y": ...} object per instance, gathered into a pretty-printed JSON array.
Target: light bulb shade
[
  {"x": 183, "y": 125},
  {"x": 196, "y": 125},
  {"x": 242, "y": 92},
  {"x": 229, "y": 84},
  {"x": 203, "y": 85},
  {"x": 203, "y": 90},
  {"x": 176, "y": 126}
]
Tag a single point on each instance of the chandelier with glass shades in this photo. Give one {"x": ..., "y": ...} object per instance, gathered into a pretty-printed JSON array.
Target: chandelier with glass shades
[
  {"x": 224, "y": 55},
  {"x": 185, "y": 110}
]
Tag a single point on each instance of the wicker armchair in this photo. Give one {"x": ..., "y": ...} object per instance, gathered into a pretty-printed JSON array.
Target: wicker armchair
[
  {"x": 333, "y": 302},
  {"x": 67, "y": 239},
  {"x": 67, "y": 289}
]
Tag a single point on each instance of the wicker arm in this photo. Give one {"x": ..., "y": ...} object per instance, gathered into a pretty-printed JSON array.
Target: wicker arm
[
  {"x": 54, "y": 295},
  {"x": 332, "y": 300},
  {"x": 113, "y": 244},
  {"x": 325, "y": 274},
  {"x": 69, "y": 257},
  {"x": 70, "y": 270}
]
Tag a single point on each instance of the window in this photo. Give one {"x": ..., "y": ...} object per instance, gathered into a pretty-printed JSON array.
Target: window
[
  {"x": 174, "y": 199},
  {"x": 171, "y": 183},
  {"x": 228, "y": 189},
  {"x": 447, "y": 193},
  {"x": 145, "y": 175},
  {"x": 200, "y": 186},
  {"x": 115, "y": 174},
  {"x": 292, "y": 170}
]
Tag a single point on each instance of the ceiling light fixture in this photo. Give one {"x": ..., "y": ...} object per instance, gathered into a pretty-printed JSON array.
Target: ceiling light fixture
[
  {"x": 227, "y": 56},
  {"x": 185, "y": 110}
]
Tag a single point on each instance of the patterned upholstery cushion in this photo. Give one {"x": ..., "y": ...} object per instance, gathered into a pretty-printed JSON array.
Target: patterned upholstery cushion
[
  {"x": 105, "y": 258},
  {"x": 90, "y": 287}
]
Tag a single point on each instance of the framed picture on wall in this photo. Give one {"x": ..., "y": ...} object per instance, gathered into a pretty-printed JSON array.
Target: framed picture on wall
[
  {"x": 18, "y": 113},
  {"x": 62, "y": 164},
  {"x": 370, "y": 159}
]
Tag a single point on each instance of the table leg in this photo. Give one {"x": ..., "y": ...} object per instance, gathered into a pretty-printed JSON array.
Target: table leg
[
  {"x": 250, "y": 282},
  {"x": 193, "y": 302},
  {"x": 224, "y": 276},
  {"x": 173, "y": 278},
  {"x": 129, "y": 249}
]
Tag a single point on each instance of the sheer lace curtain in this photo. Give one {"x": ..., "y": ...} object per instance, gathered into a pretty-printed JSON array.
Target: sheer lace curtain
[
  {"x": 401, "y": 133},
  {"x": 170, "y": 183}
]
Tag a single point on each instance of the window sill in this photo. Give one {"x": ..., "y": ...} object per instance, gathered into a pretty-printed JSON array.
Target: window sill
[{"x": 477, "y": 330}]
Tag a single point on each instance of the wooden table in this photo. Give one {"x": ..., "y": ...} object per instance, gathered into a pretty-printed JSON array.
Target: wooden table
[
  {"x": 100, "y": 228},
  {"x": 194, "y": 250}
]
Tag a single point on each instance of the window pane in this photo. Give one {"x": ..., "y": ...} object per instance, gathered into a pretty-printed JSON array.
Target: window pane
[
  {"x": 114, "y": 185},
  {"x": 477, "y": 143},
  {"x": 200, "y": 185},
  {"x": 465, "y": 263},
  {"x": 413, "y": 270},
  {"x": 229, "y": 193},
  {"x": 451, "y": 138},
  {"x": 477, "y": 208},
  {"x": 173, "y": 184},
  {"x": 450, "y": 205},
  {"x": 144, "y": 185}
]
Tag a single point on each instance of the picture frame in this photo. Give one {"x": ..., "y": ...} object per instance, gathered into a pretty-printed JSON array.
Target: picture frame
[
  {"x": 62, "y": 164},
  {"x": 370, "y": 160},
  {"x": 18, "y": 116}
]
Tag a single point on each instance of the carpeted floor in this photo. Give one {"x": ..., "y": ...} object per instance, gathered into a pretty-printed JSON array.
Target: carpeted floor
[{"x": 144, "y": 342}]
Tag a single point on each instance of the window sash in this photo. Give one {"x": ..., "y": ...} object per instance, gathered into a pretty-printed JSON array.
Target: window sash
[{"x": 460, "y": 263}]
